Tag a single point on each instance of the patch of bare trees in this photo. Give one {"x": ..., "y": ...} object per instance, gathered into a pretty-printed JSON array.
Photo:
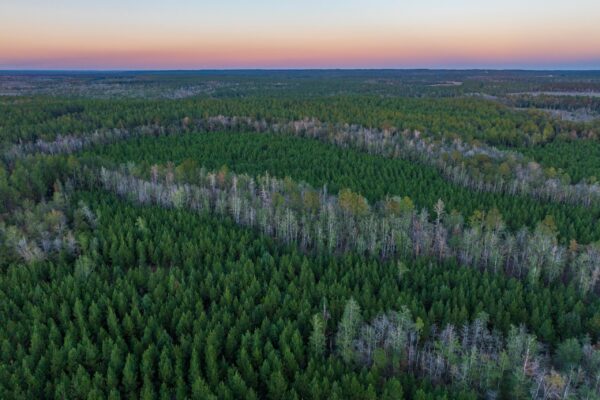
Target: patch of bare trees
[
  {"x": 459, "y": 161},
  {"x": 38, "y": 232},
  {"x": 470, "y": 356},
  {"x": 298, "y": 214}
]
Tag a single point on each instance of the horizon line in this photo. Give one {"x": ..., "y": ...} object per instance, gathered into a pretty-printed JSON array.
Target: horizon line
[{"x": 225, "y": 69}]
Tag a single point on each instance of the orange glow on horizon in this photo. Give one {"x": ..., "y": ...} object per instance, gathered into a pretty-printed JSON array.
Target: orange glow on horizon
[{"x": 380, "y": 39}]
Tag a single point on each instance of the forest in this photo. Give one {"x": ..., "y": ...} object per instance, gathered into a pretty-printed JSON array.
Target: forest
[{"x": 299, "y": 235}]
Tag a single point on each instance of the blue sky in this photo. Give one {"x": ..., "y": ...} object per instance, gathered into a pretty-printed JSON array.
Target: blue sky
[{"x": 309, "y": 33}]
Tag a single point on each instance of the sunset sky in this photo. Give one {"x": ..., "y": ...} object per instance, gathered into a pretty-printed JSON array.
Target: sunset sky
[{"x": 187, "y": 34}]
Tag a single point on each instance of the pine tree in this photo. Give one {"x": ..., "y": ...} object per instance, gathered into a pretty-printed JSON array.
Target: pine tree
[
  {"x": 317, "y": 337},
  {"x": 277, "y": 386},
  {"x": 130, "y": 374},
  {"x": 348, "y": 329},
  {"x": 165, "y": 367}
]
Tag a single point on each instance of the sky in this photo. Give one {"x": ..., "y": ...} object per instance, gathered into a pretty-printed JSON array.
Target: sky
[{"x": 281, "y": 34}]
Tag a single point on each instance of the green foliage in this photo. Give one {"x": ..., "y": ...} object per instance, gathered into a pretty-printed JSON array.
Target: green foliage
[
  {"x": 373, "y": 177},
  {"x": 568, "y": 354},
  {"x": 348, "y": 330},
  {"x": 317, "y": 337},
  {"x": 580, "y": 159},
  {"x": 104, "y": 299},
  {"x": 197, "y": 312},
  {"x": 470, "y": 118}
]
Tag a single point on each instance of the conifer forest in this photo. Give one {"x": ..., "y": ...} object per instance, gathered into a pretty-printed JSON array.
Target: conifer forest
[{"x": 300, "y": 234}]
